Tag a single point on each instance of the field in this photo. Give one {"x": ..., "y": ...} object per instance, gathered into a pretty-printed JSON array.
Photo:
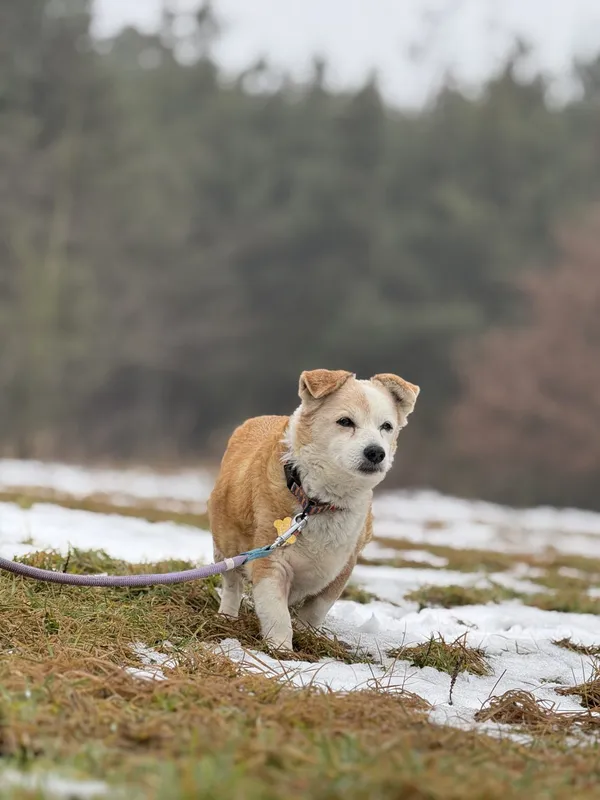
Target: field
[{"x": 462, "y": 661}]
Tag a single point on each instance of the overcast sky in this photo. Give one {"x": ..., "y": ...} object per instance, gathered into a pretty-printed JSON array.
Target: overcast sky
[{"x": 469, "y": 37}]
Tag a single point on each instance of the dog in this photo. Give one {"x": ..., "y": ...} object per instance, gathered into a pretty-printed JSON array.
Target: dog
[{"x": 325, "y": 460}]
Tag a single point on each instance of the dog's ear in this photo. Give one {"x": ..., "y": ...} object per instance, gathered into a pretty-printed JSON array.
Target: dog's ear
[
  {"x": 403, "y": 392},
  {"x": 318, "y": 383}
]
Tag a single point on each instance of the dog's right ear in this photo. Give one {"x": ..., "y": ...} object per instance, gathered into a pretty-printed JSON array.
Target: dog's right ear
[
  {"x": 318, "y": 383},
  {"x": 404, "y": 393}
]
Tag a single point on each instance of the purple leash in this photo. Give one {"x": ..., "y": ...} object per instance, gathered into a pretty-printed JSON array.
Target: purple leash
[{"x": 50, "y": 576}]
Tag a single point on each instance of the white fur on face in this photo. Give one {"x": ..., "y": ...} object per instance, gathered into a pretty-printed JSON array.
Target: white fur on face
[{"x": 332, "y": 455}]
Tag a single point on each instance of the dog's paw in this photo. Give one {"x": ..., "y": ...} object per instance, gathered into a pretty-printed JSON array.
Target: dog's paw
[
  {"x": 279, "y": 647},
  {"x": 229, "y": 613}
]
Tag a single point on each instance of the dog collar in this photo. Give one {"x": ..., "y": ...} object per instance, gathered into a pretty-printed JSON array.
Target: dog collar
[{"x": 310, "y": 506}]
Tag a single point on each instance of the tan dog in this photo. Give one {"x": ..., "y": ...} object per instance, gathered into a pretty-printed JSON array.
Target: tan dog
[{"x": 336, "y": 447}]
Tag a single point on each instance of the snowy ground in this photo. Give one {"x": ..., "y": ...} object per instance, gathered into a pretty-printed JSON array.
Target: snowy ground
[
  {"x": 517, "y": 639},
  {"x": 53, "y": 786},
  {"x": 123, "y": 487}
]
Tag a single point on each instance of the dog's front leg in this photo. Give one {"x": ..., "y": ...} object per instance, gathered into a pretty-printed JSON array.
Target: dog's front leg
[
  {"x": 271, "y": 581},
  {"x": 314, "y": 610}
]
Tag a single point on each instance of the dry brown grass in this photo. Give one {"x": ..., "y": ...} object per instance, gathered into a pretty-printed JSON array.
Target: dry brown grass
[
  {"x": 519, "y": 708},
  {"x": 212, "y": 729},
  {"x": 588, "y": 691},
  {"x": 187, "y": 612},
  {"x": 567, "y": 644},
  {"x": 451, "y": 657}
]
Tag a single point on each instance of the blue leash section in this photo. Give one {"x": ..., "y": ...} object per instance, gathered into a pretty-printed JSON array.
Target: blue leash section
[
  {"x": 259, "y": 552},
  {"x": 50, "y": 576}
]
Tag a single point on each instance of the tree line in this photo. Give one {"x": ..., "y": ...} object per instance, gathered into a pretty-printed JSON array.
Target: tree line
[{"x": 177, "y": 245}]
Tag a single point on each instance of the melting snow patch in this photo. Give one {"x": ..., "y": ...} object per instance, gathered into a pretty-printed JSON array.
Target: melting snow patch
[
  {"x": 375, "y": 551},
  {"x": 517, "y": 640},
  {"x": 153, "y": 661},
  {"x": 192, "y": 486},
  {"x": 53, "y": 785},
  {"x": 49, "y": 527},
  {"x": 423, "y": 557},
  {"x": 431, "y": 518}
]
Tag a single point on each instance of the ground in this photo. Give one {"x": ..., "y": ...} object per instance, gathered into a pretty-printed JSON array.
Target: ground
[{"x": 460, "y": 663}]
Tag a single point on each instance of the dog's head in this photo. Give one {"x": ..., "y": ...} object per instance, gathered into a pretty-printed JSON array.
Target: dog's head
[{"x": 346, "y": 429}]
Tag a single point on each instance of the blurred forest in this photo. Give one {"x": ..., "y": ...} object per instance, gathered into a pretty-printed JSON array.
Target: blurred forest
[{"x": 176, "y": 247}]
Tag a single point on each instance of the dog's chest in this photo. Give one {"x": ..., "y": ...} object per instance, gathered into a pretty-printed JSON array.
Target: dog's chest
[{"x": 322, "y": 551}]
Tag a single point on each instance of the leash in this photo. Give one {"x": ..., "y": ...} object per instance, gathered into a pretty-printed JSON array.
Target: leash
[{"x": 161, "y": 578}]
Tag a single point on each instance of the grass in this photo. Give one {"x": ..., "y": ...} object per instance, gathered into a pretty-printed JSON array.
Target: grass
[
  {"x": 588, "y": 691},
  {"x": 451, "y": 596},
  {"x": 212, "y": 729},
  {"x": 519, "y": 708},
  {"x": 68, "y": 706},
  {"x": 566, "y": 601},
  {"x": 186, "y": 612},
  {"x": 451, "y": 657},
  {"x": 357, "y": 594},
  {"x": 567, "y": 644}
]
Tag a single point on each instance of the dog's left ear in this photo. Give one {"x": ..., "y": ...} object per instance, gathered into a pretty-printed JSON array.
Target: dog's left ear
[
  {"x": 403, "y": 392},
  {"x": 318, "y": 383}
]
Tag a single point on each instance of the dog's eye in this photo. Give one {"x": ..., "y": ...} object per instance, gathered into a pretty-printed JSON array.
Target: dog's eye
[
  {"x": 387, "y": 427},
  {"x": 346, "y": 422}
]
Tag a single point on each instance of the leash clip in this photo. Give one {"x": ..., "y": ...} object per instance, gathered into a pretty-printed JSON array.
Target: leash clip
[{"x": 297, "y": 525}]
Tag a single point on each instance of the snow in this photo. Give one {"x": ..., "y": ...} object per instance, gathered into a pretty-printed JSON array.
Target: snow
[
  {"x": 430, "y": 518},
  {"x": 189, "y": 486},
  {"x": 53, "y": 785},
  {"x": 517, "y": 639},
  {"x": 375, "y": 551},
  {"x": 49, "y": 527},
  {"x": 154, "y": 661}
]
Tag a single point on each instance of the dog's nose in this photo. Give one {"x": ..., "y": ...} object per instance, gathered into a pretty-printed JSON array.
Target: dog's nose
[{"x": 374, "y": 453}]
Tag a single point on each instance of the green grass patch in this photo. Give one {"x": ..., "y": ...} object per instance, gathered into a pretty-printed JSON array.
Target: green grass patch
[
  {"x": 451, "y": 657},
  {"x": 356, "y": 593},
  {"x": 566, "y": 601},
  {"x": 451, "y": 596},
  {"x": 570, "y": 602}
]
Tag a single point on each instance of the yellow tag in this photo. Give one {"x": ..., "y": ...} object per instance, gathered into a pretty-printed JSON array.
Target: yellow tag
[{"x": 281, "y": 526}]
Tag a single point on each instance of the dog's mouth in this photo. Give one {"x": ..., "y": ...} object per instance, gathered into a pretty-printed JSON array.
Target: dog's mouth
[{"x": 367, "y": 468}]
